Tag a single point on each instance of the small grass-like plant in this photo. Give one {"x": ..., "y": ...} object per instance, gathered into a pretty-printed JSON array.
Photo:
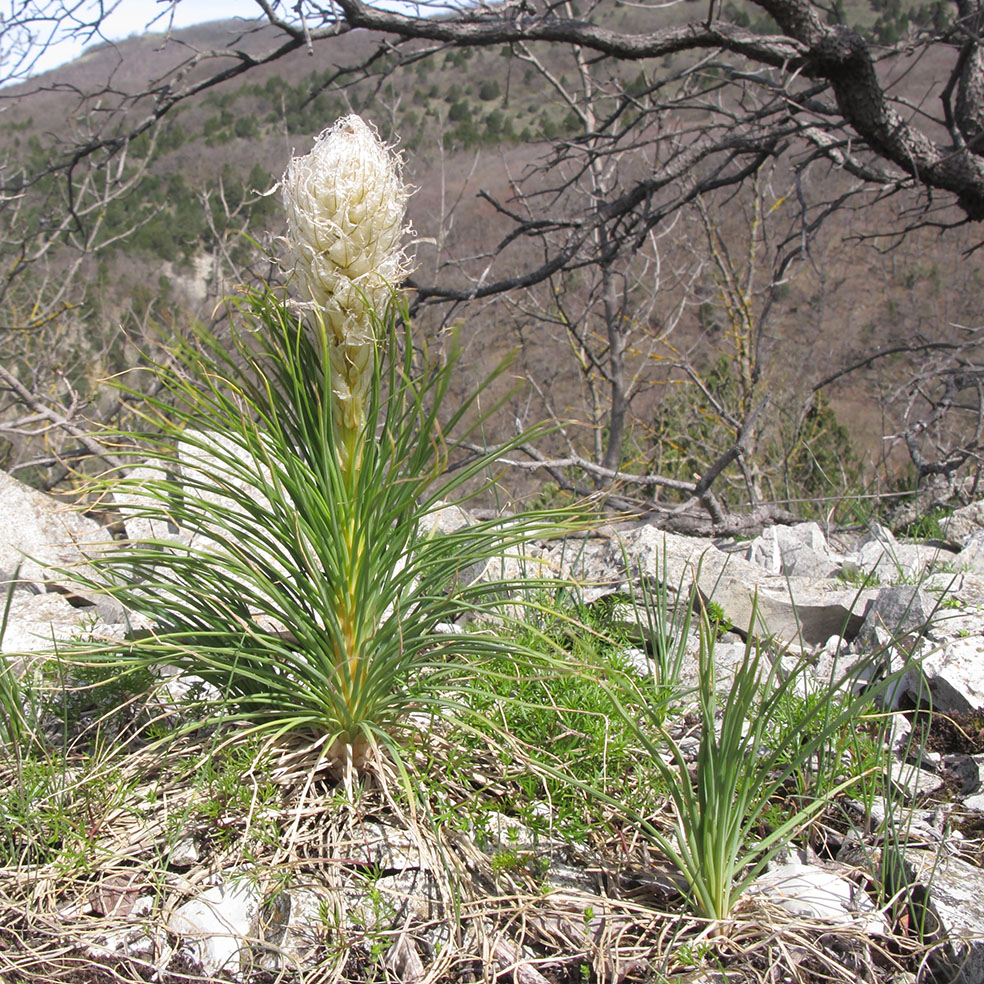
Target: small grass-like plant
[
  {"x": 20, "y": 701},
  {"x": 719, "y": 841},
  {"x": 928, "y": 526},
  {"x": 550, "y": 702},
  {"x": 668, "y": 619},
  {"x": 58, "y": 777},
  {"x": 56, "y": 810},
  {"x": 851, "y": 752}
]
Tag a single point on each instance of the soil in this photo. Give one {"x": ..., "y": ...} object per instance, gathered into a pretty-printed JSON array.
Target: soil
[{"x": 956, "y": 733}]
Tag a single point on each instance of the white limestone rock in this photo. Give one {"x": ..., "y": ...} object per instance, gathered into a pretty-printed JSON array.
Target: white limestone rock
[
  {"x": 446, "y": 518},
  {"x": 954, "y": 674},
  {"x": 203, "y": 454},
  {"x": 141, "y": 509},
  {"x": 955, "y": 892},
  {"x": 794, "y": 610},
  {"x": 294, "y": 928},
  {"x": 880, "y": 555},
  {"x": 184, "y": 852},
  {"x": 928, "y": 825},
  {"x": 971, "y": 556},
  {"x": 813, "y": 892},
  {"x": 798, "y": 551},
  {"x": 39, "y": 622},
  {"x": 388, "y": 848},
  {"x": 138, "y": 938},
  {"x": 218, "y": 927},
  {"x": 974, "y": 803},
  {"x": 40, "y": 532},
  {"x": 899, "y": 611},
  {"x": 912, "y": 781},
  {"x": 964, "y": 522}
]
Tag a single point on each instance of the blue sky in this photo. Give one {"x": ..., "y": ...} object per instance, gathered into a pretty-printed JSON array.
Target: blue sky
[{"x": 134, "y": 16}]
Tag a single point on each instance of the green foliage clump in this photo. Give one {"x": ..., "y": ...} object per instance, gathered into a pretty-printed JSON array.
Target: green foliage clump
[
  {"x": 554, "y": 698},
  {"x": 717, "y": 618},
  {"x": 169, "y": 220},
  {"x": 805, "y": 461},
  {"x": 489, "y": 90},
  {"x": 820, "y": 454},
  {"x": 928, "y": 526},
  {"x": 756, "y": 740},
  {"x": 230, "y": 784},
  {"x": 460, "y": 111},
  {"x": 311, "y": 600}
]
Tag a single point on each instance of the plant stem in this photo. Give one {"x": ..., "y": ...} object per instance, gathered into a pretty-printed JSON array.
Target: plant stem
[{"x": 350, "y": 444}]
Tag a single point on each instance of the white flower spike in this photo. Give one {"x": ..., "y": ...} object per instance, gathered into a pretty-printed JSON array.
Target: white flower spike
[{"x": 345, "y": 204}]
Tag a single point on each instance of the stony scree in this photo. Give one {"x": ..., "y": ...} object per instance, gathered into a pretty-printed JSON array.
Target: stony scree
[{"x": 923, "y": 607}]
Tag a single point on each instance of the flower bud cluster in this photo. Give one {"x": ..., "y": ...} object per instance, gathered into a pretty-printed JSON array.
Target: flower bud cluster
[{"x": 345, "y": 204}]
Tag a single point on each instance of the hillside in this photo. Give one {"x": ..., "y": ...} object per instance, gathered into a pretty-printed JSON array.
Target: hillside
[{"x": 472, "y": 125}]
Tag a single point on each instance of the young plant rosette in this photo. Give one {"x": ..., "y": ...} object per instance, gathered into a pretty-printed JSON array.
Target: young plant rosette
[{"x": 299, "y": 463}]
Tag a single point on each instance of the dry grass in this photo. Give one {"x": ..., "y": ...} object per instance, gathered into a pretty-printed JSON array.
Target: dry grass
[{"x": 385, "y": 907}]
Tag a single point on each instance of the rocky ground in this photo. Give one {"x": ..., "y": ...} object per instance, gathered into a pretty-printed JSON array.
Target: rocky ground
[{"x": 511, "y": 900}]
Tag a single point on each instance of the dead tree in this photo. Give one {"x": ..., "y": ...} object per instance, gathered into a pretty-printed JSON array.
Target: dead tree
[{"x": 673, "y": 108}]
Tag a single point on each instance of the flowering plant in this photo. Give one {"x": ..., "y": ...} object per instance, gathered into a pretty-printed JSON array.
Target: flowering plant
[
  {"x": 304, "y": 586},
  {"x": 345, "y": 204}
]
